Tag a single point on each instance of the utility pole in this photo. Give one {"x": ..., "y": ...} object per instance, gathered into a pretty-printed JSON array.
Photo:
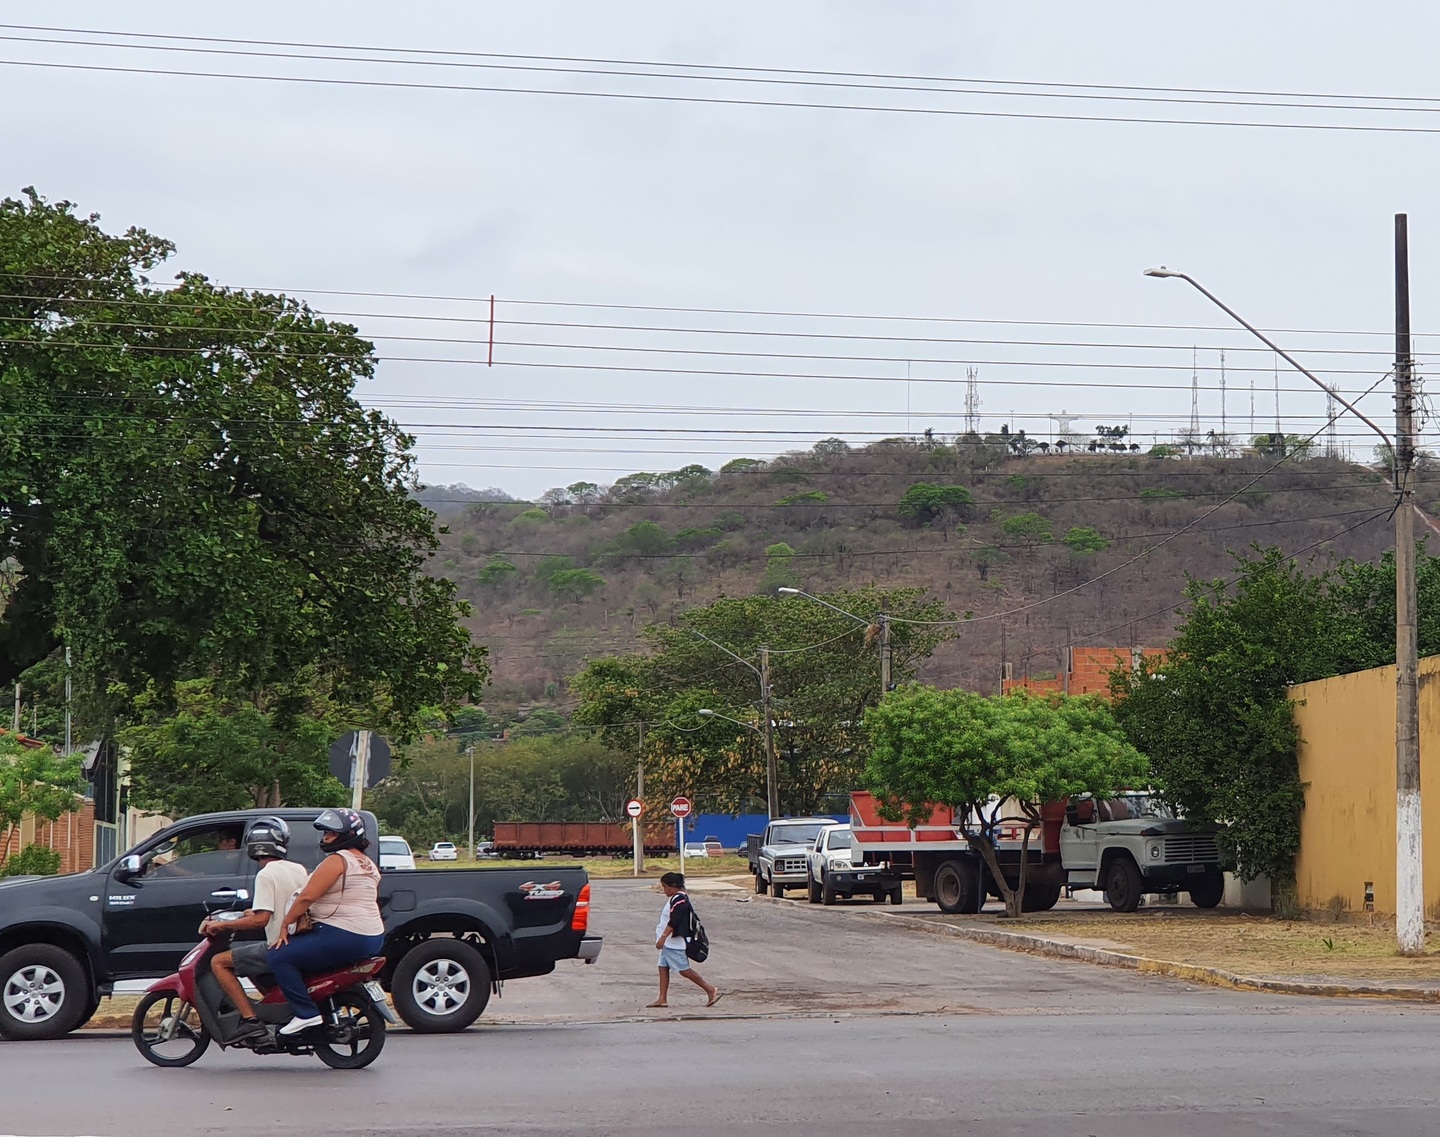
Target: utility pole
[
  {"x": 1409, "y": 869},
  {"x": 636, "y": 837},
  {"x": 470, "y": 753},
  {"x": 772, "y": 771},
  {"x": 884, "y": 655},
  {"x": 16, "y": 727},
  {"x": 68, "y": 742},
  {"x": 359, "y": 768}
]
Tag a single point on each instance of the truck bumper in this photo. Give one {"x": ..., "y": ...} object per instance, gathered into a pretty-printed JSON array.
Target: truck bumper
[
  {"x": 590, "y": 948},
  {"x": 1176, "y": 876},
  {"x": 863, "y": 879}
]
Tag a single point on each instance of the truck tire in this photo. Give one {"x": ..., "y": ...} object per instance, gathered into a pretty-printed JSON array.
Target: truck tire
[
  {"x": 44, "y": 992},
  {"x": 759, "y": 883},
  {"x": 441, "y": 985},
  {"x": 1040, "y": 897},
  {"x": 777, "y": 889},
  {"x": 1209, "y": 890},
  {"x": 957, "y": 887},
  {"x": 1123, "y": 885},
  {"x": 897, "y": 895},
  {"x": 812, "y": 890},
  {"x": 827, "y": 892}
]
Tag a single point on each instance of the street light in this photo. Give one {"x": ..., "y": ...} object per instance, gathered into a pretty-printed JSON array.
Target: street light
[
  {"x": 882, "y": 619},
  {"x": 772, "y": 794},
  {"x": 1409, "y": 869},
  {"x": 772, "y": 768},
  {"x": 470, "y": 750}
]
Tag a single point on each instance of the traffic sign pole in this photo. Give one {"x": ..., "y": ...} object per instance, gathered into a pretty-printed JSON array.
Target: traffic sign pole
[
  {"x": 635, "y": 807},
  {"x": 680, "y": 809}
]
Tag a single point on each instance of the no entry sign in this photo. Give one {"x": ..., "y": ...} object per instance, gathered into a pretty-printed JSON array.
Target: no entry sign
[
  {"x": 634, "y": 807},
  {"x": 681, "y": 807}
]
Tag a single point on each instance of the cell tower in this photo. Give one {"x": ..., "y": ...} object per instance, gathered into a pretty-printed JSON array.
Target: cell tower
[
  {"x": 1332, "y": 447},
  {"x": 1277, "y": 395},
  {"x": 1252, "y": 407},
  {"x": 1222, "y": 392},
  {"x": 972, "y": 400},
  {"x": 1194, "y": 392}
]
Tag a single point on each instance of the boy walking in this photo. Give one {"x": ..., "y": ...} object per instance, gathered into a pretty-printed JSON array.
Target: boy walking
[{"x": 675, "y": 920}]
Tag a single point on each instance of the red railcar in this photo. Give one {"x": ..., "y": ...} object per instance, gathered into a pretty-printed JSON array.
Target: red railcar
[{"x": 579, "y": 838}]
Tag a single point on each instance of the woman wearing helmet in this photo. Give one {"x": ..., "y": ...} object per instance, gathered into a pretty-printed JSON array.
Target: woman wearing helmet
[{"x": 341, "y": 899}]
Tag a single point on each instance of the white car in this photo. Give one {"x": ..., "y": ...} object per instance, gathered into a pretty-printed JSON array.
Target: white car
[
  {"x": 696, "y": 849},
  {"x": 444, "y": 851},
  {"x": 395, "y": 853},
  {"x": 830, "y": 873}
]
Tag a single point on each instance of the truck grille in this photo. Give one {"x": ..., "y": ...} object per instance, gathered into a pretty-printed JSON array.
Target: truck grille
[
  {"x": 791, "y": 864},
  {"x": 1191, "y": 849}
]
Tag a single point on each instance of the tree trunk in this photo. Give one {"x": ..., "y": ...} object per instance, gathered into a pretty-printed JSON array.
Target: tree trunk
[{"x": 984, "y": 845}]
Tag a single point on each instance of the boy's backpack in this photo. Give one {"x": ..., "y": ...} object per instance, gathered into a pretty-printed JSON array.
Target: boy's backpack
[{"x": 697, "y": 940}]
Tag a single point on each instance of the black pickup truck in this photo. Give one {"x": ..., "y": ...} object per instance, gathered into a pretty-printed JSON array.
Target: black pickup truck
[{"x": 452, "y": 935}]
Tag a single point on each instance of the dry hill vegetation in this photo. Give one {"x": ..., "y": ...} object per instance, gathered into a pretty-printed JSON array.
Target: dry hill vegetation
[{"x": 578, "y": 573}]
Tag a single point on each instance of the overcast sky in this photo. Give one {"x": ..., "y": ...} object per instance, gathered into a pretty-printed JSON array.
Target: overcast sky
[{"x": 582, "y": 200}]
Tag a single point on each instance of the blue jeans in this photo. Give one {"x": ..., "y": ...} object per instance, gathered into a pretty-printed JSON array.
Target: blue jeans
[{"x": 323, "y": 949}]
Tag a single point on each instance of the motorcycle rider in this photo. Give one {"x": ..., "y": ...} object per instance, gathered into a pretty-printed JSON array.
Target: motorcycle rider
[
  {"x": 266, "y": 842},
  {"x": 342, "y": 899}
]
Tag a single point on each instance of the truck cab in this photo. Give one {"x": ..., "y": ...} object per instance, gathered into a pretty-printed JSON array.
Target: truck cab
[
  {"x": 1134, "y": 845},
  {"x": 781, "y": 860}
]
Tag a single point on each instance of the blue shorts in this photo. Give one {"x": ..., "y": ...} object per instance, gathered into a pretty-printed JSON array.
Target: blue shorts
[{"x": 675, "y": 959}]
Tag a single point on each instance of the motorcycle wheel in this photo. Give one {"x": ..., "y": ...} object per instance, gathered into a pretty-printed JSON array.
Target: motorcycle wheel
[
  {"x": 359, "y": 1036},
  {"x": 160, "y": 1012}
]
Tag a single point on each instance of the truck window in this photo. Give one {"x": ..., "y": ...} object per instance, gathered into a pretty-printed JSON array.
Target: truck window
[
  {"x": 836, "y": 839},
  {"x": 796, "y": 834},
  {"x": 200, "y": 852}
]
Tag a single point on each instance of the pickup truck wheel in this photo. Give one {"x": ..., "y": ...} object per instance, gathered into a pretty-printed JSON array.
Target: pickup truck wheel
[
  {"x": 897, "y": 895},
  {"x": 957, "y": 887},
  {"x": 759, "y": 883},
  {"x": 877, "y": 897},
  {"x": 44, "y": 992},
  {"x": 812, "y": 890},
  {"x": 1040, "y": 897},
  {"x": 1123, "y": 884},
  {"x": 827, "y": 892},
  {"x": 777, "y": 889},
  {"x": 441, "y": 986},
  {"x": 1209, "y": 890}
]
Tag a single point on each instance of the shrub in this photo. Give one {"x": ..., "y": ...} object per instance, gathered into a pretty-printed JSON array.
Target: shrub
[
  {"x": 818, "y": 497},
  {"x": 924, "y": 502},
  {"x": 1161, "y": 493},
  {"x": 32, "y": 860}
]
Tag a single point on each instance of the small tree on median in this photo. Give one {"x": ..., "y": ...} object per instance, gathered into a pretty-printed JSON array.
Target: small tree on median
[
  {"x": 963, "y": 750},
  {"x": 34, "y": 782}
]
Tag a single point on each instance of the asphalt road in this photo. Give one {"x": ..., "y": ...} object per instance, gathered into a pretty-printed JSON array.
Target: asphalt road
[{"x": 834, "y": 1023}]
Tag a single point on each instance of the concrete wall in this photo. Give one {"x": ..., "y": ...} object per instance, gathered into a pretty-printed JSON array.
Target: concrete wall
[{"x": 1347, "y": 757}]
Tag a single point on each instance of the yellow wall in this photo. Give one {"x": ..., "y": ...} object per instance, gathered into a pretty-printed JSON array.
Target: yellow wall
[{"x": 1347, "y": 757}]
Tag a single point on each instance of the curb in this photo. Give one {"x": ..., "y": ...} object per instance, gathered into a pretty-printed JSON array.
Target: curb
[{"x": 1196, "y": 973}]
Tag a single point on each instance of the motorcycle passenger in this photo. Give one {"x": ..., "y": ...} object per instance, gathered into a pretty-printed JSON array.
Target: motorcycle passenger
[
  {"x": 277, "y": 881},
  {"x": 341, "y": 899}
]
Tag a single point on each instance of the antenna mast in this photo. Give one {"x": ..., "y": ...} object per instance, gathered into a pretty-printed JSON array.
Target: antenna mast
[{"x": 972, "y": 400}]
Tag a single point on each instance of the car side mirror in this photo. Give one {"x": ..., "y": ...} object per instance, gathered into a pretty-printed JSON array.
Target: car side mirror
[
  {"x": 1072, "y": 814},
  {"x": 132, "y": 864}
]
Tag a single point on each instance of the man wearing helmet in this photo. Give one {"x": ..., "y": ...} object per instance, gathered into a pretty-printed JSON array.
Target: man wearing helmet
[{"x": 277, "y": 881}]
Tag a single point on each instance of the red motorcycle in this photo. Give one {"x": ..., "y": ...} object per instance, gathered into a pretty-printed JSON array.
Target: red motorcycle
[{"x": 180, "y": 1015}]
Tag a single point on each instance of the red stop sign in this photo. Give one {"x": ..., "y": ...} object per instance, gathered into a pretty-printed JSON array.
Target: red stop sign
[{"x": 681, "y": 807}]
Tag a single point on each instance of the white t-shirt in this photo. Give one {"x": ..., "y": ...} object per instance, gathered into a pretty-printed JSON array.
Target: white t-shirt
[
  {"x": 275, "y": 884},
  {"x": 672, "y": 941}
]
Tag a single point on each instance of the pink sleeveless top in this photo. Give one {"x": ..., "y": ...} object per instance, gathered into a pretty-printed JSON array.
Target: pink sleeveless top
[{"x": 351, "y": 903}]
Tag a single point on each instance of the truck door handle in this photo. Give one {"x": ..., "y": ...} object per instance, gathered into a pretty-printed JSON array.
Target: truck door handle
[{"x": 231, "y": 894}]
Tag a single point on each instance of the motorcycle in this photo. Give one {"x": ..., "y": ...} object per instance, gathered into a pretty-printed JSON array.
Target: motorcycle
[{"x": 180, "y": 1015}]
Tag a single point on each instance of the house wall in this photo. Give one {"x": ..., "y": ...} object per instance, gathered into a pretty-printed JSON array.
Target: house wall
[
  {"x": 1090, "y": 669},
  {"x": 1347, "y": 760}
]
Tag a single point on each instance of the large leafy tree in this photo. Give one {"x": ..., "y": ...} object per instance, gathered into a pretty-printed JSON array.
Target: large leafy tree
[
  {"x": 824, "y": 673},
  {"x": 1214, "y": 716},
  {"x": 972, "y": 752},
  {"x": 35, "y": 782},
  {"x": 188, "y": 487}
]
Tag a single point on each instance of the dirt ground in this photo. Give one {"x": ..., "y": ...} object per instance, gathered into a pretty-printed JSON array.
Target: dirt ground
[{"x": 1244, "y": 943}]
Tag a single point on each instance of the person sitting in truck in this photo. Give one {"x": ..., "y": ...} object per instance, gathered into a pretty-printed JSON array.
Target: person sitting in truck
[
  {"x": 278, "y": 879},
  {"x": 341, "y": 899}
]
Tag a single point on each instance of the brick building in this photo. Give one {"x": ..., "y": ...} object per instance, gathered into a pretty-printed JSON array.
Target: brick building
[{"x": 1088, "y": 671}]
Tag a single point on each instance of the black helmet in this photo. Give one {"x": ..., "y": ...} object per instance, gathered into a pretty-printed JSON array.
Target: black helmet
[
  {"x": 347, "y": 825},
  {"x": 267, "y": 837}
]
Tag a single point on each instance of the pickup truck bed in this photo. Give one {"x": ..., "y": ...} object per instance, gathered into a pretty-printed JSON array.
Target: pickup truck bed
[{"x": 452, "y": 936}]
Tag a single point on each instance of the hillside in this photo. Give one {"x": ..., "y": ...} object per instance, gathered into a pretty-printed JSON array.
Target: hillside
[{"x": 583, "y": 570}]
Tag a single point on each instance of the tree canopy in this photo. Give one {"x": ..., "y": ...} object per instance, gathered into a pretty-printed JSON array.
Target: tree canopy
[
  {"x": 189, "y": 488},
  {"x": 824, "y": 671},
  {"x": 35, "y": 782},
  {"x": 969, "y": 751}
]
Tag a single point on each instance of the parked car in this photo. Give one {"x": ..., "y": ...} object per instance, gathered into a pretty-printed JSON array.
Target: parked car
[
  {"x": 779, "y": 856},
  {"x": 450, "y": 938},
  {"x": 713, "y": 848},
  {"x": 696, "y": 849},
  {"x": 831, "y": 873},
  {"x": 394, "y": 853},
  {"x": 444, "y": 851}
]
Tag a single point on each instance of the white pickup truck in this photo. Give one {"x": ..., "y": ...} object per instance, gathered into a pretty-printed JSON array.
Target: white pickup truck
[
  {"x": 833, "y": 874},
  {"x": 779, "y": 857}
]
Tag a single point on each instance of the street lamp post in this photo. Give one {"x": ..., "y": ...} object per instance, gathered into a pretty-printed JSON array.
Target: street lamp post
[
  {"x": 470, "y": 752},
  {"x": 772, "y": 768},
  {"x": 882, "y": 619},
  {"x": 771, "y": 788},
  {"x": 1409, "y": 869}
]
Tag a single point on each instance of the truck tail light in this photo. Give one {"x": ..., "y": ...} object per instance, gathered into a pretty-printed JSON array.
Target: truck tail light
[{"x": 581, "y": 920}]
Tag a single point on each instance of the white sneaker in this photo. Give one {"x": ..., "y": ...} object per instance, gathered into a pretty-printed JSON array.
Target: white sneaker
[{"x": 295, "y": 1026}]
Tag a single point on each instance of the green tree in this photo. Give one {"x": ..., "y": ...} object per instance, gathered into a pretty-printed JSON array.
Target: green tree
[
  {"x": 262, "y": 525},
  {"x": 211, "y": 752},
  {"x": 644, "y": 539},
  {"x": 1084, "y": 540},
  {"x": 741, "y": 465},
  {"x": 36, "y": 782},
  {"x": 924, "y": 503},
  {"x": 577, "y": 583},
  {"x": 498, "y": 571},
  {"x": 778, "y": 573},
  {"x": 1030, "y": 529},
  {"x": 824, "y": 668},
  {"x": 963, "y": 750}
]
